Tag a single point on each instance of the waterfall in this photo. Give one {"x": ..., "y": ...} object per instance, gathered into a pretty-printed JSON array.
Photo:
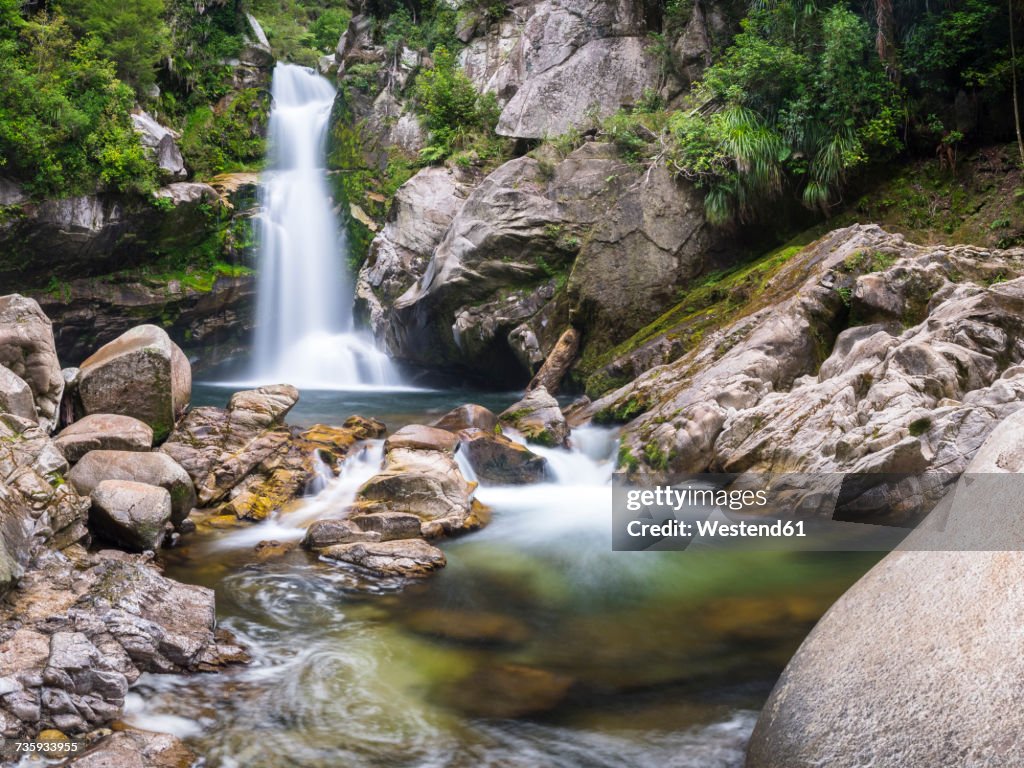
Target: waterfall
[{"x": 304, "y": 333}]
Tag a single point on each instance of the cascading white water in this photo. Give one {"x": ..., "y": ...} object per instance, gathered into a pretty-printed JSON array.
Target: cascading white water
[{"x": 304, "y": 331}]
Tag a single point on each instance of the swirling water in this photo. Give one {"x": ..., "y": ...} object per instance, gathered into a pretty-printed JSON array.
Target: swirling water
[{"x": 536, "y": 646}]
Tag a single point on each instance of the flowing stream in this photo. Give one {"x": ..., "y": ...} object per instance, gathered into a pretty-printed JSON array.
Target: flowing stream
[
  {"x": 536, "y": 646},
  {"x": 304, "y": 331}
]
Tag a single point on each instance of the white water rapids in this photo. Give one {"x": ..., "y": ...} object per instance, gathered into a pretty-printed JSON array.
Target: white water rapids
[{"x": 304, "y": 332}]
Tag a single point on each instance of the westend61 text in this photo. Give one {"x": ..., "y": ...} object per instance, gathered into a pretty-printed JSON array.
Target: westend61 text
[{"x": 714, "y": 528}]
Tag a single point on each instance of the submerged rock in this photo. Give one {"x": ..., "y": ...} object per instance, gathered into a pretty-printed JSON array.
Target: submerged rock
[
  {"x": 27, "y": 350},
  {"x": 410, "y": 558},
  {"x": 133, "y": 515},
  {"x": 132, "y": 748},
  {"x": 103, "y": 431},
  {"x": 148, "y": 468},
  {"x": 538, "y": 417},
  {"x": 497, "y": 459},
  {"x": 470, "y": 627},
  {"x": 142, "y": 374},
  {"x": 507, "y": 691}
]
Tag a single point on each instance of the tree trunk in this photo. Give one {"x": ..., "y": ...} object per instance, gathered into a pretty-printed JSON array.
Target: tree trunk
[
  {"x": 885, "y": 40},
  {"x": 1013, "y": 70}
]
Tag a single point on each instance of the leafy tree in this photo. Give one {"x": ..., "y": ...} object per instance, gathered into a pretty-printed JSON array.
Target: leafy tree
[
  {"x": 65, "y": 124},
  {"x": 449, "y": 106},
  {"x": 133, "y": 32},
  {"x": 798, "y": 101}
]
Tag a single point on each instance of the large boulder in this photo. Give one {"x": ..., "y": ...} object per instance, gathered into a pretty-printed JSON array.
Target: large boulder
[
  {"x": 500, "y": 461},
  {"x": 538, "y": 418},
  {"x": 133, "y": 515},
  {"x": 27, "y": 350},
  {"x": 142, "y": 374},
  {"x": 149, "y": 468},
  {"x": 16, "y": 395},
  {"x": 542, "y": 240},
  {"x": 928, "y": 631},
  {"x": 103, "y": 431}
]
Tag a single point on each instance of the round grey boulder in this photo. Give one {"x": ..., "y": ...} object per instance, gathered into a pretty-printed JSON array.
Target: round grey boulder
[{"x": 132, "y": 515}]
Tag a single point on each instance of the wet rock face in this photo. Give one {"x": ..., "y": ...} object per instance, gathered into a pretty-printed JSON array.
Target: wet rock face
[
  {"x": 500, "y": 461},
  {"x": 16, "y": 396},
  {"x": 27, "y": 350},
  {"x": 538, "y": 417},
  {"x": 540, "y": 241},
  {"x": 932, "y": 366},
  {"x": 142, "y": 374}
]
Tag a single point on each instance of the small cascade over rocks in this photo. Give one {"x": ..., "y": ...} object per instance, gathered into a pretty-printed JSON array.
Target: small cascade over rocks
[{"x": 304, "y": 325}]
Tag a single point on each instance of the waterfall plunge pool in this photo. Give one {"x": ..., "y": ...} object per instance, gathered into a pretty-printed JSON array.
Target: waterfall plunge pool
[{"x": 536, "y": 646}]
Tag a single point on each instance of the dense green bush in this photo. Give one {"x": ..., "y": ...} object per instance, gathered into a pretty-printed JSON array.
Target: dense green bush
[
  {"x": 133, "y": 34},
  {"x": 797, "y": 102},
  {"x": 450, "y": 107},
  {"x": 65, "y": 125}
]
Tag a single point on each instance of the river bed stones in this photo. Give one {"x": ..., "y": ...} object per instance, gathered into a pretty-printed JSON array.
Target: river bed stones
[
  {"x": 498, "y": 460},
  {"x": 133, "y": 748},
  {"x": 141, "y": 373},
  {"x": 409, "y": 558},
  {"x": 467, "y": 416},
  {"x": 468, "y": 627},
  {"x": 538, "y": 417},
  {"x": 507, "y": 691},
  {"x": 27, "y": 350},
  {"x": 149, "y": 468},
  {"x": 103, "y": 431},
  {"x": 133, "y": 515}
]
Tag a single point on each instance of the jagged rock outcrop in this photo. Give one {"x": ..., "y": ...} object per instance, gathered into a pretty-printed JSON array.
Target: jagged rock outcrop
[
  {"x": 865, "y": 353},
  {"x": 16, "y": 395},
  {"x": 246, "y": 462},
  {"x": 419, "y": 216},
  {"x": 37, "y": 509},
  {"x": 82, "y": 627},
  {"x": 936, "y": 634},
  {"x": 540, "y": 241},
  {"x": 27, "y": 350},
  {"x": 141, "y": 373},
  {"x": 161, "y": 145},
  {"x": 216, "y": 318}
]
